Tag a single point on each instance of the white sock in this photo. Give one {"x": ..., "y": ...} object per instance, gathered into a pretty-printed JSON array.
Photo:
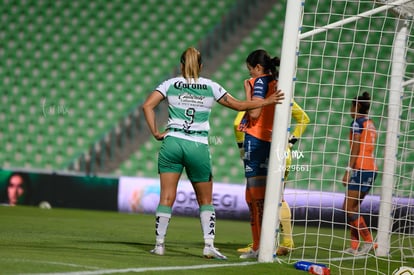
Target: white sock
[
  {"x": 162, "y": 220},
  {"x": 208, "y": 224}
]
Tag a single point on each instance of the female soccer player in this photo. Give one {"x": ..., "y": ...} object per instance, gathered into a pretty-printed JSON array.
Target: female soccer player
[
  {"x": 185, "y": 142},
  {"x": 302, "y": 120},
  {"x": 257, "y": 127},
  {"x": 360, "y": 173}
]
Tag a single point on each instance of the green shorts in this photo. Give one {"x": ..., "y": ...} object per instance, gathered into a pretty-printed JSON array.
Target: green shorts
[{"x": 176, "y": 154}]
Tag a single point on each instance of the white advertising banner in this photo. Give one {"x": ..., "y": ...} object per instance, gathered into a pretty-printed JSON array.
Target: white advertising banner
[{"x": 141, "y": 195}]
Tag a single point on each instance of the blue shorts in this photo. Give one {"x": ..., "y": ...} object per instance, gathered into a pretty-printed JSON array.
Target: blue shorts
[
  {"x": 362, "y": 180},
  {"x": 256, "y": 156}
]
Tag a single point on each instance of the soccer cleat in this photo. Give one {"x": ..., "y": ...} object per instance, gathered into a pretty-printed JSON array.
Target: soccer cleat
[
  {"x": 210, "y": 252},
  {"x": 159, "y": 249},
  {"x": 245, "y": 249},
  {"x": 367, "y": 247},
  {"x": 251, "y": 254},
  {"x": 351, "y": 251},
  {"x": 285, "y": 248},
  {"x": 282, "y": 251}
]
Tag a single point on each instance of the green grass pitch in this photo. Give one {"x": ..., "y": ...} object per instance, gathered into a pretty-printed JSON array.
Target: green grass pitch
[{"x": 83, "y": 242}]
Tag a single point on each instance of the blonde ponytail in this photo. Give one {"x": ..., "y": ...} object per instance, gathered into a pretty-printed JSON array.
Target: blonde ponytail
[{"x": 191, "y": 64}]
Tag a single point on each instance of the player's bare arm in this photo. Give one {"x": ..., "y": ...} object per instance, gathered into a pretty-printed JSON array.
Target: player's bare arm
[
  {"x": 355, "y": 145},
  {"x": 235, "y": 104},
  {"x": 148, "y": 108}
]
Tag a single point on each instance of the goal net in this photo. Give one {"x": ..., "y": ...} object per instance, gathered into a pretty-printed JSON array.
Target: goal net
[{"x": 343, "y": 49}]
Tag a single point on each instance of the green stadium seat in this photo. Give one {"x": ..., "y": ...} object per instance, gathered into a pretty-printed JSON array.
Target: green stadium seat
[{"x": 103, "y": 58}]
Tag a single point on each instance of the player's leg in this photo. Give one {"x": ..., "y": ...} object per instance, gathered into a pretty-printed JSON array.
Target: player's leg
[
  {"x": 367, "y": 179},
  {"x": 239, "y": 135},
  {"x": 286, "y": 243},
  {"x": 255, "y": 193},
  {"x": 361, "y": 224},
  {"x": 358, "y": 225},
  {"x": 358, "y": 187},
  {"x": 169, "y": 182},
  {"x": 255, "y": 165},
  {"x": 197, "y": 163},
  {"x": 170, "y": 169},
  {"x": 249, "y": 205},
  {"x": 203, "y": 191},
  {"x": 351, "y": 203},
  {"x": 285, "y": 217}
]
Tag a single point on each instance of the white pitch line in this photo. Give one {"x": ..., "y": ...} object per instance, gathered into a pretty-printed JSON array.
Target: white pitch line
[
  {"x": 49, "y": 262},
  {"x": 165, "y": 268},
  {"x": 144, "y": 269}
]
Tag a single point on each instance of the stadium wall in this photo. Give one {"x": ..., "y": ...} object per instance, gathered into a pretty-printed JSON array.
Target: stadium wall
[{"x": 141, "y": 196}]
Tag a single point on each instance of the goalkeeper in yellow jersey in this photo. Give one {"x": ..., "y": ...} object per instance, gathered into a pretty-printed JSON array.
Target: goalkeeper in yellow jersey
[{"x": 302, "y": 120}]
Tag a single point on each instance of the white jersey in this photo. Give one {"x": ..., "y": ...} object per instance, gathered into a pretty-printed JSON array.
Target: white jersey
[{"x": 189, "y": 106}]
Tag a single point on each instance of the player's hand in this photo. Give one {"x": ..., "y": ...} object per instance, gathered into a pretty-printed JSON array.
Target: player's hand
[
  {"x": 160, "y": 136},
  {"x": 276, "y": 97},
  {"x": 292, "y": 141}
]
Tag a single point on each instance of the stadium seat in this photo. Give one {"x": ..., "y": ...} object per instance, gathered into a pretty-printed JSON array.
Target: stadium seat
[
  {"x": 76, "y": 53},
  {"x": 101, "y": 59}
]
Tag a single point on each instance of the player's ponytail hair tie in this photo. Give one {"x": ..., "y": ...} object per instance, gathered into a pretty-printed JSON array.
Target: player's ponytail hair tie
[
  {"x": 275, "y": 61},
  {"x": 191, "y": 64},
  {"x": 364, "y": 102},
  {"x": 274, "y": 65},
  {"x": 189, "y": 52}
]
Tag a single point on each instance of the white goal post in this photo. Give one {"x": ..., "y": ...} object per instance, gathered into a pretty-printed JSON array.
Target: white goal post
[
  {"x": 287, "y": 80},
  {"x": 281, "y": 123}
]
